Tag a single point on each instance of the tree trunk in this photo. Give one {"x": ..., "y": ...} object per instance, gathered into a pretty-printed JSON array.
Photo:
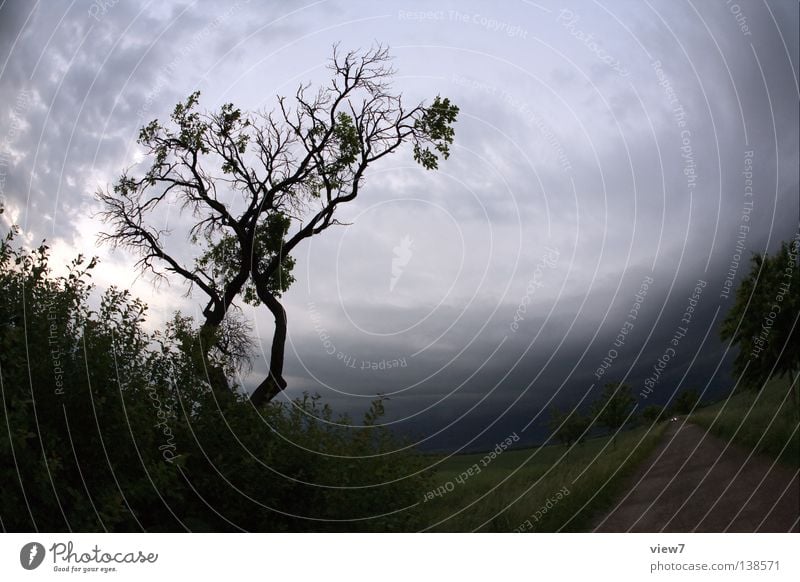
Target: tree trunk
[
  {"x": 215, "y": 313},
  {"x": 214, "y": 374},
  {"x": 274, "y": 383}
]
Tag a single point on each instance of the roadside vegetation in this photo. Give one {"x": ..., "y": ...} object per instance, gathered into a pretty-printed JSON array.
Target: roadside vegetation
[
  {"x": 763, "y": 414},
  {"x": 763, "y": 421},
  {"x": 110, "y": 427},
  {"x": 544, "y": 489}
]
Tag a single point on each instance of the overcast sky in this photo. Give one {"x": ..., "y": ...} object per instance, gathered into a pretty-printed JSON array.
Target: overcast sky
[{"x": 600, "y": 146}]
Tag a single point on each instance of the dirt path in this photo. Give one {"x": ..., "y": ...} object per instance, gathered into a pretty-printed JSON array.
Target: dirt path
[{"x": 694, "y": 481}]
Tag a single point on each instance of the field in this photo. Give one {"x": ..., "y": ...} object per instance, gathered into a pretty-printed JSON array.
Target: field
[
  {"x": 553, "y": 488},
  {"x": 543, "y": 489},
  {"x": 763, "y": 421}
]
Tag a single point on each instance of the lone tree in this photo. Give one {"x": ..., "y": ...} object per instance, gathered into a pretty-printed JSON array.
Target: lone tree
[
  {"x": 569, "y": 427},
  {"x": 257, "y": 185},
  {"x": 654, "y": 413},
  {"x": 765, "y": 320},
  {"x": 686, "y": 401},
  {"x": 615, "y": 407}
]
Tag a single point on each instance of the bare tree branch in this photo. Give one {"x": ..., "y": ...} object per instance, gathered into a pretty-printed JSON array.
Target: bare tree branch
[{"x": 258, "y": 184}]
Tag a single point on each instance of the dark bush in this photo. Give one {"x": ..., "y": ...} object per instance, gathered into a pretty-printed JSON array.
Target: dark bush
[{"x": 110, "y": 427}]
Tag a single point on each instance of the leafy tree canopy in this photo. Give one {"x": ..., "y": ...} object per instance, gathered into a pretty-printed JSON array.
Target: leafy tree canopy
[{"x": 764, "y": 321}]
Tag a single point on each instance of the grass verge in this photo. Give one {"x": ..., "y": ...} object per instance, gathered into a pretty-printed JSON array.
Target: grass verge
[
  {"x": 544, "y": 489},
  {"x": 764, "y": 421}
]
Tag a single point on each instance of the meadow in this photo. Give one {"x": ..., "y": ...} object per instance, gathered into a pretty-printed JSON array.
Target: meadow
[
  {"x": 558, "y": 488},
  {"x": 543, "y": 489}
]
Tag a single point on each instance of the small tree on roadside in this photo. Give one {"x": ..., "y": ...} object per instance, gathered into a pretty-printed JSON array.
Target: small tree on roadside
[
  {"x": 764, "y": 321},
  {"x": 569, "y": 427},
  {"x": 615, "y": 407},
  {"x": 255, "y": 185},
  {"x": 686, "y": 401},
  {"x": 653, "y": 413}
]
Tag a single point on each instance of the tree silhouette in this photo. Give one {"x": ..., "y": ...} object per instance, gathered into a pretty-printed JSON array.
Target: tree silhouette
[
  {"x": 765, "y": 320},
  {"x": 654, "y": 413},
  {"x": 686, "y": 401},
  {"x": 614, "y": 407},
  {"x": 258, "y": 184},
  {"x": 569, "y": 427}
]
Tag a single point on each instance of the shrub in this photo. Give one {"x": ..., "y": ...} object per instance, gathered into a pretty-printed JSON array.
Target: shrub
[{"x": 111, "y": 427}]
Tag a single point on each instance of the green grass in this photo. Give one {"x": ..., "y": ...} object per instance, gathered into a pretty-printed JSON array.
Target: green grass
[
  {"x": 763, "y": 421},
  {"x": 509, "y": 491}
]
